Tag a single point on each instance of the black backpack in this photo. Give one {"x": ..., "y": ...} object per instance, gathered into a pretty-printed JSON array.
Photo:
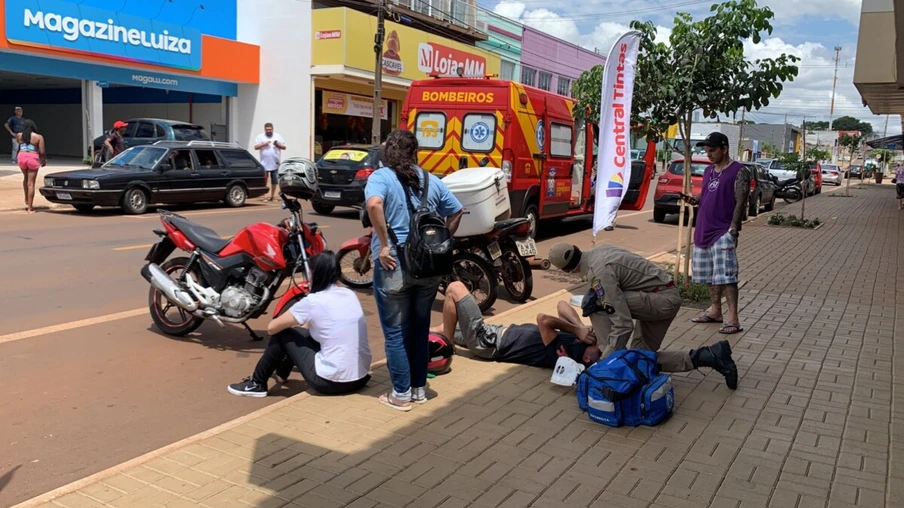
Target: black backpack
[{"x": 428, "y": 251}]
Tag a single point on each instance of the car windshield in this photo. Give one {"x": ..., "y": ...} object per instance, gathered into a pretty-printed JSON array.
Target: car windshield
[
  {"x": 346, "y": 158},
  {"x": 697, "y": 168},
  {"x": 145, "y": 157},
  {"x": 830, "y": 167},
  {"x": 189, "y": 133},
  {"x": 780, "y": 166}
]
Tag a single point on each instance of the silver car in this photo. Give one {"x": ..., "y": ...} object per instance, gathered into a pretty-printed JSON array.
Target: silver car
[
  {"x": 777, "y": 169},
  {"x": 831, "y": 173}
]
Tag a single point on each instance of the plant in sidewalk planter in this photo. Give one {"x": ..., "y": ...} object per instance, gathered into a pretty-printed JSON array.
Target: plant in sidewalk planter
[
  {"x": 780, "y": 219},
  {"x": 694, "y": 294},
  {"x": 678, "y": 78},
  {"x": 803, "y": 172}
]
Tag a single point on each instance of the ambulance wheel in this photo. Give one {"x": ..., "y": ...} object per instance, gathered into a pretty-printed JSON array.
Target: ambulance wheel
[{"x": 532, "y": 213}]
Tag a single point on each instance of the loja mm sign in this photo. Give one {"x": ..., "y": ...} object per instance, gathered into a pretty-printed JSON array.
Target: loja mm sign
[
  {"x": 72, "y": 28},
  {"x": 435, "y": 58}
]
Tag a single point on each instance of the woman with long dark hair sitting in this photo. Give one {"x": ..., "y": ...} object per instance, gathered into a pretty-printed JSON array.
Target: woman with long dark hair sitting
[{"x": 324, "y": 335}]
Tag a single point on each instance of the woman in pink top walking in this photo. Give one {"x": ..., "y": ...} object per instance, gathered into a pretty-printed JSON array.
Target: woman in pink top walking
[{"x": 32, "y": 156}]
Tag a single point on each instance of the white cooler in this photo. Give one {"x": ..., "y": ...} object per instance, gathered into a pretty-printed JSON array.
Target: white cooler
[{"x": 483, "y": 193}]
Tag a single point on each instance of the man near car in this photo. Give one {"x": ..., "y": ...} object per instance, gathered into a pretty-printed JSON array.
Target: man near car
[
  {"x": 537, "y": 345},
  {"x": 270, "y": 144},
  {"x": 114, "y": 142},
  {"x": 14, "y": 126},
  {"x": 625, "y": 287},
  {"x": 726, "y": 188}
]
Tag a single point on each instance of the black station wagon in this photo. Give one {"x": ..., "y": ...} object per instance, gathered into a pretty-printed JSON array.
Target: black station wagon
[{"x": 167, "y": 172}]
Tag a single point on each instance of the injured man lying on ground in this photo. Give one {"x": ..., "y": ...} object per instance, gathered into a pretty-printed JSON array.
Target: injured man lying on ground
[
  {"x": 537, "y": 345},
  {"x": 541, "y": 344}
]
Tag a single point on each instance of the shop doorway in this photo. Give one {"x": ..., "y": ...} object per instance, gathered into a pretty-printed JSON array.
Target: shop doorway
[
  {"x": 54, "y": 104},
  {"x": 332, "y": 129}
]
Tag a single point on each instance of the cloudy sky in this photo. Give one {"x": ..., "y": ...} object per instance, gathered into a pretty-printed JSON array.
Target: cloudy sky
[{"x": 809, "y": 29}]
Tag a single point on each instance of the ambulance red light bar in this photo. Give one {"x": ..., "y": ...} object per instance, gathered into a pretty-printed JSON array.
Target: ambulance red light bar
[{"x": 463, "y": 75}]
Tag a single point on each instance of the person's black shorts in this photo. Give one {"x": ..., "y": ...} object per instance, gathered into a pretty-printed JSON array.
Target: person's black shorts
[
  {"x": 274, "y": 178},
  {"x": 899, "y": 187}
]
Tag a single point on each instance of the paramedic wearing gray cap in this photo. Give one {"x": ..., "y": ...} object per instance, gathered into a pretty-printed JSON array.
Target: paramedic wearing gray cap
[{"x": 625, "y": 287}]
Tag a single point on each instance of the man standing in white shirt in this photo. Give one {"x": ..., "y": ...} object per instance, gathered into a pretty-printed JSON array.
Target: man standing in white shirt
[{"x": 270, "y": 145}]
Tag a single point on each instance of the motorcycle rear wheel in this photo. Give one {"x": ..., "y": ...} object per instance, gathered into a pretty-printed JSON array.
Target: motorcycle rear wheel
[
  {"x": 479, "y": 276},
  {"x": 159, "y": 306},
  {"x": 792, "y": 196},
  {"x": 355, "y": 271},
  {"x": 517, "y": 276}
]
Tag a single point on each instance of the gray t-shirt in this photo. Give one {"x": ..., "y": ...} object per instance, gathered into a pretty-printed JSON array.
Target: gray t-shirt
[{"x": 16, "y": 124}]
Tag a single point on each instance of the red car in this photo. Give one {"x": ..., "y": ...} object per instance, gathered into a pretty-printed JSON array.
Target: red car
[{"x": 666, "y": 198}]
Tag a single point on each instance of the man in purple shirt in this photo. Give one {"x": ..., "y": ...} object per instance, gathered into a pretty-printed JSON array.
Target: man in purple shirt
[{"x": 726, "y": 185}]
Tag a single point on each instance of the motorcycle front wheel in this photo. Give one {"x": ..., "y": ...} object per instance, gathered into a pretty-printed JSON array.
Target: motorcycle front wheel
[
  {"x": 517, "y": 276},
  {"x": 478, "y": 275},
  {"x": 792, "y": 196},
  {"x": 169, "y": 317},
  {"x": 355, "y": 271}
]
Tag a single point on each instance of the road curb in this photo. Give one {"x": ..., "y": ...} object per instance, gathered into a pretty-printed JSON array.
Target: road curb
[{"x": 153, "y": 454}]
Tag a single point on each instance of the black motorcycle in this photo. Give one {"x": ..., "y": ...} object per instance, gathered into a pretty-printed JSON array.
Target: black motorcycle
[{"x": 789, "y": 190}]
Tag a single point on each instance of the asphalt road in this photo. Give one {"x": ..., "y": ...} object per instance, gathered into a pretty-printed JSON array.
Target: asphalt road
[{"x": 81, "y": 396}]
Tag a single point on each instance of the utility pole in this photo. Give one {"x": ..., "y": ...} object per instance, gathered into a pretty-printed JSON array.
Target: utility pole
[
  {"x": 832, "y": 106},
  {"x": 741, "y": 137},
  {"x": 784, "y": 135},
  {"x": 377, "y": 131}
]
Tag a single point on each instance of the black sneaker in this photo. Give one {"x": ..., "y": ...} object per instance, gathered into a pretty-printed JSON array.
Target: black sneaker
[{"x": 247, "y": 388}]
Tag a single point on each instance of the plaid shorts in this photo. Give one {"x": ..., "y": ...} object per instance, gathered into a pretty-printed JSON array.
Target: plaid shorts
[{"x": 717, "y": 264}]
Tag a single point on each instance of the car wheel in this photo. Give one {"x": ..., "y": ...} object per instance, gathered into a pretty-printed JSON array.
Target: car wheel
[
  {"x": 532, "y": 214},
  {"x": 135, "y": 201},
  {"x": 755, "y": 207},
  {"x": 321, "y": 208},
  {"x": 236, "y": 196},
  {"x": 771, "y": 204},
  {"x": 658, "y": 215},
  {"x": 83, "y": 208}
]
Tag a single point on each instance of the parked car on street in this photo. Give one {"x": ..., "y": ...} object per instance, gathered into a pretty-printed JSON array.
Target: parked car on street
[
  {"x": 854, "y": 171},
  {"x": 762, "y": 189},
  {"x": 342, "y": 173},
  {"x": 778, "y": 169},
  {"x": 147, "y": 131},
  {"x": 666, "y": 199},
  {"x": 166, "y": 172},
  {"x": 831, "y": 173}
]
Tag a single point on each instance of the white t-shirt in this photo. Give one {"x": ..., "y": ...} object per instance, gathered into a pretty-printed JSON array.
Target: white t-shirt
[
  {"x": 336, "y": 320},
  {"x": 269, "y": 156}
]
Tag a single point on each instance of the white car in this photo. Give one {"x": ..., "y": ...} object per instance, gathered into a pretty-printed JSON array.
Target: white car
[{"x": 831, "y": 173}]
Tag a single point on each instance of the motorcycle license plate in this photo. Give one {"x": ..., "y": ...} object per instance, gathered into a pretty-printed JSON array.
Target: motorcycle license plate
[
  {"x": 63, "y": 195},
  {"x": 495, "y": 251},
  {"x": 332, "y": 194},
  {"x": 527, "y": 247}
]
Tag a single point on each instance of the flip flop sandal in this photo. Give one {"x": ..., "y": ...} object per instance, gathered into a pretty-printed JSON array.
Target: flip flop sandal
[
  {"x": 734, "y": 326},
  {"x": 388, "y": 400},
  {"x": 705, "y": 318}
]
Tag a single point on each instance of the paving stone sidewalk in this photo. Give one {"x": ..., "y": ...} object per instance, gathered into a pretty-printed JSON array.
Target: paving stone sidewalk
[{"x": 814, "y": 423}]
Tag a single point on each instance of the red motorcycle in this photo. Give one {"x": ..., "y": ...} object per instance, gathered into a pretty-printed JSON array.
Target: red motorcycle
[{"x": 228, "y": 281}]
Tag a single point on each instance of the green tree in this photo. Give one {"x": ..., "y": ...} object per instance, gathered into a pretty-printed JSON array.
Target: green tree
[
  {"x": 849, "y": 123},
  {"x": 770, "y": 148},
  {"x": 816, "y": 126},
  {"x": 586, "y": 91},
  {"x": 704, "y": 68},
  {"x": 852, "y": 143},
  {"x": 818, "y": 154}
]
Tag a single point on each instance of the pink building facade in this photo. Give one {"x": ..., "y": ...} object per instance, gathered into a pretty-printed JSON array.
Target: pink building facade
[{"x": 553, "y": 64}]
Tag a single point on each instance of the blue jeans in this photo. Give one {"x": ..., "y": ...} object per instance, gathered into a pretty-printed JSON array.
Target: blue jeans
[{"x": 405, "y": 318}]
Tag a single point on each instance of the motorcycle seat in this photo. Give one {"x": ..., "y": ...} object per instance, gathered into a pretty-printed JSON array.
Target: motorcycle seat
[
  {"x": 510, "y": 223},
  {"x": 783, "y": 183},
  {"x": 205, "y": 238}
]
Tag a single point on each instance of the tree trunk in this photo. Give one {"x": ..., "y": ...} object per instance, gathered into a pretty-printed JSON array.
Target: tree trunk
[
  {"x": 847, "y": 188},
  {"x": 685, "y": 210}
]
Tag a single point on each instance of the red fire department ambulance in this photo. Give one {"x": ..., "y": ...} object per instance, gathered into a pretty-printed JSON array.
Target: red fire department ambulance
[{"x": 546, "y": 155}]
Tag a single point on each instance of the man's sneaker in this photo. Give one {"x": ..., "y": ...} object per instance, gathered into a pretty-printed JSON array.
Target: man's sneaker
[{"x": 248, "y": 388}]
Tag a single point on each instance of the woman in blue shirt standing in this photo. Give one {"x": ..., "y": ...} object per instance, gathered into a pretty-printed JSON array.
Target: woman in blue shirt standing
[{"x": 404, "y": 306}]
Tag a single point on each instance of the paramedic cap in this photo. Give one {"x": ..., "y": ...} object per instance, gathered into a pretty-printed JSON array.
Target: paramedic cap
[
  {"x": 566, "y": 371},
  {"x": 564, "y": 256},
  {"x": 715, "y": 140}
]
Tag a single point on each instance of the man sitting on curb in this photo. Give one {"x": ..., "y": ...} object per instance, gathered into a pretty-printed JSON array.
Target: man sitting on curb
[
  {"x": 537, "y": 345},
  {"x": 625, "y": 287}
]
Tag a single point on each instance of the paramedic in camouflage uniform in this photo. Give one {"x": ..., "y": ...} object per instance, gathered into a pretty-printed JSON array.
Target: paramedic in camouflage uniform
[{"x": 625, "y": 287}]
